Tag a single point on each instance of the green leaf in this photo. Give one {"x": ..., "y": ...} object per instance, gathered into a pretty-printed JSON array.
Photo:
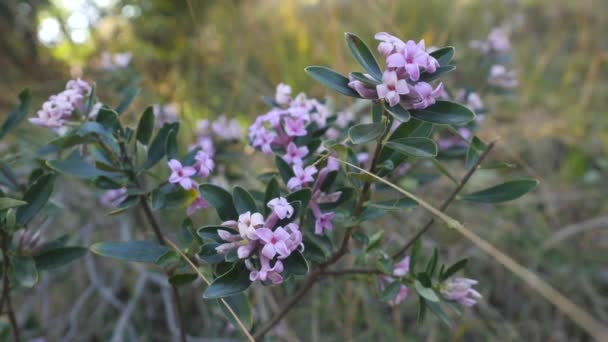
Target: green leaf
[
  {"x": 208, "y": 253},
  {"x": 243, "y": 201},
  {"x": 398, "y": 112},
  {"x": 415, "y": 147},
  {"x": 474, "y": 151},
  {"x": 390, "y": 292},
  {"x": 108, "y": 119},
  {"x": 272, "y": 191},
  {"x": 171, "y": 148},
  {"x": 371, "y": 213},
  {"x": 425, "y": 292},
  {"x": 442, "y": 70},
  {"x": 416, "y": 247},
  {"x": 158, "y": 147},
  {"x": 76, "y": 165},
  {"x": 128, "y": 202},
  {"x": 421, "y": 310},
  {"x": 394, "y": 204},
  {"x": 302, "y": 195},
  {"x": 331, "y": 79},
  {"x": 432, "y": 264},
  {"x": 362, "y": 133},
  {"x": 36, "y": 197},
  {"x": 230, "y": 283},
  {"x": 284, "y": 169},
  {"x": 453, "y": 269},
  {"x": 7, "y": 203},
  {"x": 504, "y": 192},
  {"x": 296, "y": 264},
  {"x": 107, "y": 183},
  {"x": 146, "y": 126},
  {"x": 58, "y": 257},
  {"x": 18, "y": 114},
  {"x": 182, "y": 278},
  {"x": 377, "y": 111},
  {"x": 241, "y": 307},
  {"x": 137, "y": 251},
  {"x": 438, "y": 311},
  {"x": 363, "y": 55},
  {"x": 363, "y": 78},
  {"x": 25, "y": 271},
  {"x": 443, "y": 55},
  {"x": 220, "y": 199},
  {"x": 375, "y": 241},
  {"x": 128, "y": 97},
  {"x": 445, "y": 113}
]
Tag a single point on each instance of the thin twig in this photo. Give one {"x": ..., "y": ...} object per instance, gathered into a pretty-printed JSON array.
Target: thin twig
[
  {"x": 6, "y": 288},
  {"x": 447, "y": 202}
]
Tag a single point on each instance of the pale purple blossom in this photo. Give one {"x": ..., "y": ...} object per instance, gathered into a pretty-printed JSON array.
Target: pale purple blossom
[
  {"x": 365, "y": 91},
  {"x": 294, "y": 154},
  {"x": 301, "y": 177},
  {"x": 295, "y": 127},
  {"x": 425, "y": 94},
  {"x": 392, "y": 88},
  {"x": 460, "y": 290},
  {"x": 204, "y": 163},
  {"x": 198, "y": 204},
  {"x": 112, "y": 198},
  {"x": 263, "y": 140},
  {"x": 281, "y": 207},
  {"x": 402, "y": 268},
  {"x": 248, "y": 223},
  {"x": 167, "y": 113},
  {"x": 266, "y": 272},
  {"x": 283, "y": 94},
  {"x": 275, "y": 242},
  {"x": 226, "y": 129},
  {"x": 323, "y": 223},
  {"x": 500, "y": 76},
  {"x": 181, "y": 174},
  {"x": 389, "y": 44},
  {"x": 411, "y": 59}
]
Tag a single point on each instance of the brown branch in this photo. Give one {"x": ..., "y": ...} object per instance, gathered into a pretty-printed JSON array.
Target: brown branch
[
  {"x": 353, "y": 271},
  {"x": 318, "y": 273},
  {"x": 6, "y": 288},
  {"x": 447, "y": 202}
]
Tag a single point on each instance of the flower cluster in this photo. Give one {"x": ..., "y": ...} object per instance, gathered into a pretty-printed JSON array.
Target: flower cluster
[
  {"x": 59, "y": 109},
  {"x": 112, "y": 198},
  {"x": 167, "y": 113},
  {"x": 400, "y": 270},
  {"x": 222, "y": 127},
  {"x": 401, "y": 83},
  {"x": 183, "y": 175},
  {"x": 496, "y": 42},
  {"x": 263, "y": 243},
  {"x": 460, "y": 290},
  {"x": 289, "y": 119}
]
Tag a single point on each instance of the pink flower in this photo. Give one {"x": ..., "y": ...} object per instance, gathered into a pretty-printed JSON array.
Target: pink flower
[
  {"x": 301, "y": 177},
  {"x": 263, "y": 140},
  {"x": 112, "y": 198},
  {"x": 266, "y": 272},
  {"x": 294, "y": 154},
  {"x": 275, "y": 242},
  {"x": 294, "y": 127},
  {"x": 198, "y": 204},
  {"x": 181, "y": 174},
  {"x": 400, "y": 297},
  {"x": 323, "y": 223},
  {"x": 248, "y": 223},
  {"x": 244, "y": 251},
  {"x": 411, "y": 59},
  {"x": 402, "y": 267},
  {"x": 281, "y": 207},
  {"x": 79, "y": 86},
  {"x": 204, "y": 164},
  {"x": 391, "y": 88},
  {"x": 389, "y": 43},
  {"x": 460, "y": 290},
  {"x": 226, "y": 129},
  {"x": 362, "y": 89},
  {"x": 295, "y": 237},
  {"x": 425, "y": 95},
  {"x": 283, "y": 94}
]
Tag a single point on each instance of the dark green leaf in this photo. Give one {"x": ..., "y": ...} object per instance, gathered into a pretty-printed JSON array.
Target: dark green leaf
[
  {"x": 445, "y": 113},
  {"x": 171, "y": 148},
  {"x": 234, "y": 281},
  {"x": 398, "y": 112},
  {"x": 107, "y": 183},
  {"x": 395, "y": 204},
  {"x": 443, "y": 55},
  {"x": 240, "y": 306},
  {"x": 453, "y": 269},
  {"x": 24, "y": 269},
  {"x": 432, "y": 264},
  {"x": 182, "y": 278},
  {"x": 7, "y": 203},
  {"x": 332, "y": 80},
  {"x": 284, "y": 169},
  {"x": 425, "y": 292},
  {"x": 302, "y": 195},
  {"x": 296, "y": 264},
  {"x": 76, "y": 165},
  {"x": 128, "y": 97},
  {"x": 36, "y": 197},
  {"x": 504, "y": 192},
  {"x": 416, "y": 247},
  {"x": 363, "y": 133},
  {"x": 146, "y": 126},
  {"x": 158, "y": 146},
  {"x": 442, "y": 70},
  {"x": 363, "y": 55},
  {"x": 208, "y": 253},
  {"x": 438, "y": 311},
  {"x": 272, "y": 191},
  {"x": 109, "y": 119},
  {"x": 363, "y": 78},
  {"x": 390, "y": 292},
  {"x": 220, "y": 199},
  {"x": 475, "y": 150},
  {"x": 243, "y": 201},
  {"x": 58, "y": 257},
  {"x": 375, "y": 241},
  {"x": 210, "y": 232},
  {"x": 415, "y": 147},
  {"x": 137, "y": 251},
  {"x": 377, "y": 111},
  {"x": 128, "y": 202},
  {"x": 371, "y": 213},
  {"x": 18, "y": 114}
]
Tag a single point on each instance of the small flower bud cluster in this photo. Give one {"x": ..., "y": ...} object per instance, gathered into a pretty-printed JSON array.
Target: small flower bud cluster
[
  {"x": 222, "y": 128},
  {"x": 184, "y": 176},
  {"x": 59, "y": 109},
  {"x": 113, "y": 61},
  {"x": 460, "y": 290},
  {"x": 167, "y": 113},
  {"x": 27, "y": 242},
  {"x": 400, "y": 270},
  {"x": 112, "y": 198},
  {"x": 277, "y": 129},
  {"x": 401, "y": 84},
  {"x": 263, "y": 243}
]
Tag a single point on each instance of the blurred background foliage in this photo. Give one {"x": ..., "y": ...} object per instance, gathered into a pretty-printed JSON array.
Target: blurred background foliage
[{"x": 220, "y": 56}]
